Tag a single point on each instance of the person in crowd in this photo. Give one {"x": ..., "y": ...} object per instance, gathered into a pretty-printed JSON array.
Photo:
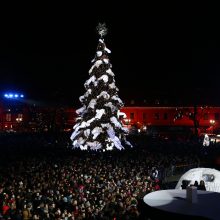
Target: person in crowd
[
  {"x": 184, "y": 184},
  {"x": 201, "y": 185},
  {"x": 196, "y": 184}
]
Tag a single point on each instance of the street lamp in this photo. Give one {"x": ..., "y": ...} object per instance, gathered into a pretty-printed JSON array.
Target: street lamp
[
  {"x": 212, "y": 123},
  {"x": 18, "y": 119},
  {"x": 127, "y": 121}
]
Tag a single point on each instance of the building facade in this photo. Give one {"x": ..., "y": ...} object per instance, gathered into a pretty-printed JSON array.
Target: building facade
[
  {"x": 204, "y": 119},
  {"x": 22, "y": 117}
]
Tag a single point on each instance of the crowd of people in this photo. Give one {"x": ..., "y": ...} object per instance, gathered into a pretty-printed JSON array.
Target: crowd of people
[{"x": 43, "y": 178}]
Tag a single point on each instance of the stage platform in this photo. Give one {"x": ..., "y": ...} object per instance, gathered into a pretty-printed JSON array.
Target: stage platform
[{"x": 174, "y": 205}]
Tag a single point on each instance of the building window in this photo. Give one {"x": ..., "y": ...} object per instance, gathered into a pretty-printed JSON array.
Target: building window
[
  {"x": 165, "y": 116},
  {"x": 206, "y": 116},
  {"x": 132, "y": 115},
  {"x": 156, "y": 116},
  {"x": 20, "y": 116},
  {"x": 8, "y": 117},
  {"x": 144, "y": 116},
  {"x": 216, "y": 116}
]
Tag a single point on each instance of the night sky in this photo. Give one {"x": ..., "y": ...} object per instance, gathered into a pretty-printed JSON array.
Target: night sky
[{"x": 165, "y": 52}]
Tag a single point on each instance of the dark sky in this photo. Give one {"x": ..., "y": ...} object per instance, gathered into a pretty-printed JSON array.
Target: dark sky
[{"x": 167, "y": 52}]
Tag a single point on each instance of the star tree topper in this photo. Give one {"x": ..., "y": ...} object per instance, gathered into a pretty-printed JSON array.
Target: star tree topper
[{"x": 102, "y": 29}]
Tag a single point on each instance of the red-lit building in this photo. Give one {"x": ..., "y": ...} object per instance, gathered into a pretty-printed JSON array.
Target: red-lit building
[
  {"x": 207, "y": 118},
  {"x": 21, "y": 117},
  {"x": 165, "y": 116}
]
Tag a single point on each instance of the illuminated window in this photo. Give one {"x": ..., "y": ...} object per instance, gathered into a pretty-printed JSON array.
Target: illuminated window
[
  {"x": 8, "y": 117},
  {"x": 132, "y": 115}
]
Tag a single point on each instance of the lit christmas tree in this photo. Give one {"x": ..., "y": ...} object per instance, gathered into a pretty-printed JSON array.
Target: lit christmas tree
[{"x": 98, "y": 125}]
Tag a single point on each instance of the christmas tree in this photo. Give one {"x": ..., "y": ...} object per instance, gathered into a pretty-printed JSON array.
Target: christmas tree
[{"x": 98, "y": 125}]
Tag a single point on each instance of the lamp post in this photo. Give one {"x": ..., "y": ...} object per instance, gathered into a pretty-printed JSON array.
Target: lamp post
[
  {"x": 19, "y": 123},
  {"x": 212, "y": 123}
]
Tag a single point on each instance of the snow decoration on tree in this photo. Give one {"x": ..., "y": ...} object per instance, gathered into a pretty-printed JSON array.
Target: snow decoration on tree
[
  {"x": 104, "y": 94},
  {"x": 111, "y": 106},
  {"x": 80, "y": 110},
  {"x": 99, "y": 53},
  {"x": 92, "y": 104},
  {"x": 121, "y": 114},
  {"x": 90, "y": 80},
  {"x": 99, "y": 113},
  {"x": 107, "y": 50},
  {"x": 96, "y": 64},
  {"x": 106, "y": 61},
  {"x": 96, "y": 132},
  {"x": 87, "y": 133},
  {"x": 109, "y": 71},
  {"x": 98, "y": 125},
  {"x": 104, "y": 78}
]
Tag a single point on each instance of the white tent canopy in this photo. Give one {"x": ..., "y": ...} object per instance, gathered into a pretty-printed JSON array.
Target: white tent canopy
[{"x": 210, "y": 176}]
